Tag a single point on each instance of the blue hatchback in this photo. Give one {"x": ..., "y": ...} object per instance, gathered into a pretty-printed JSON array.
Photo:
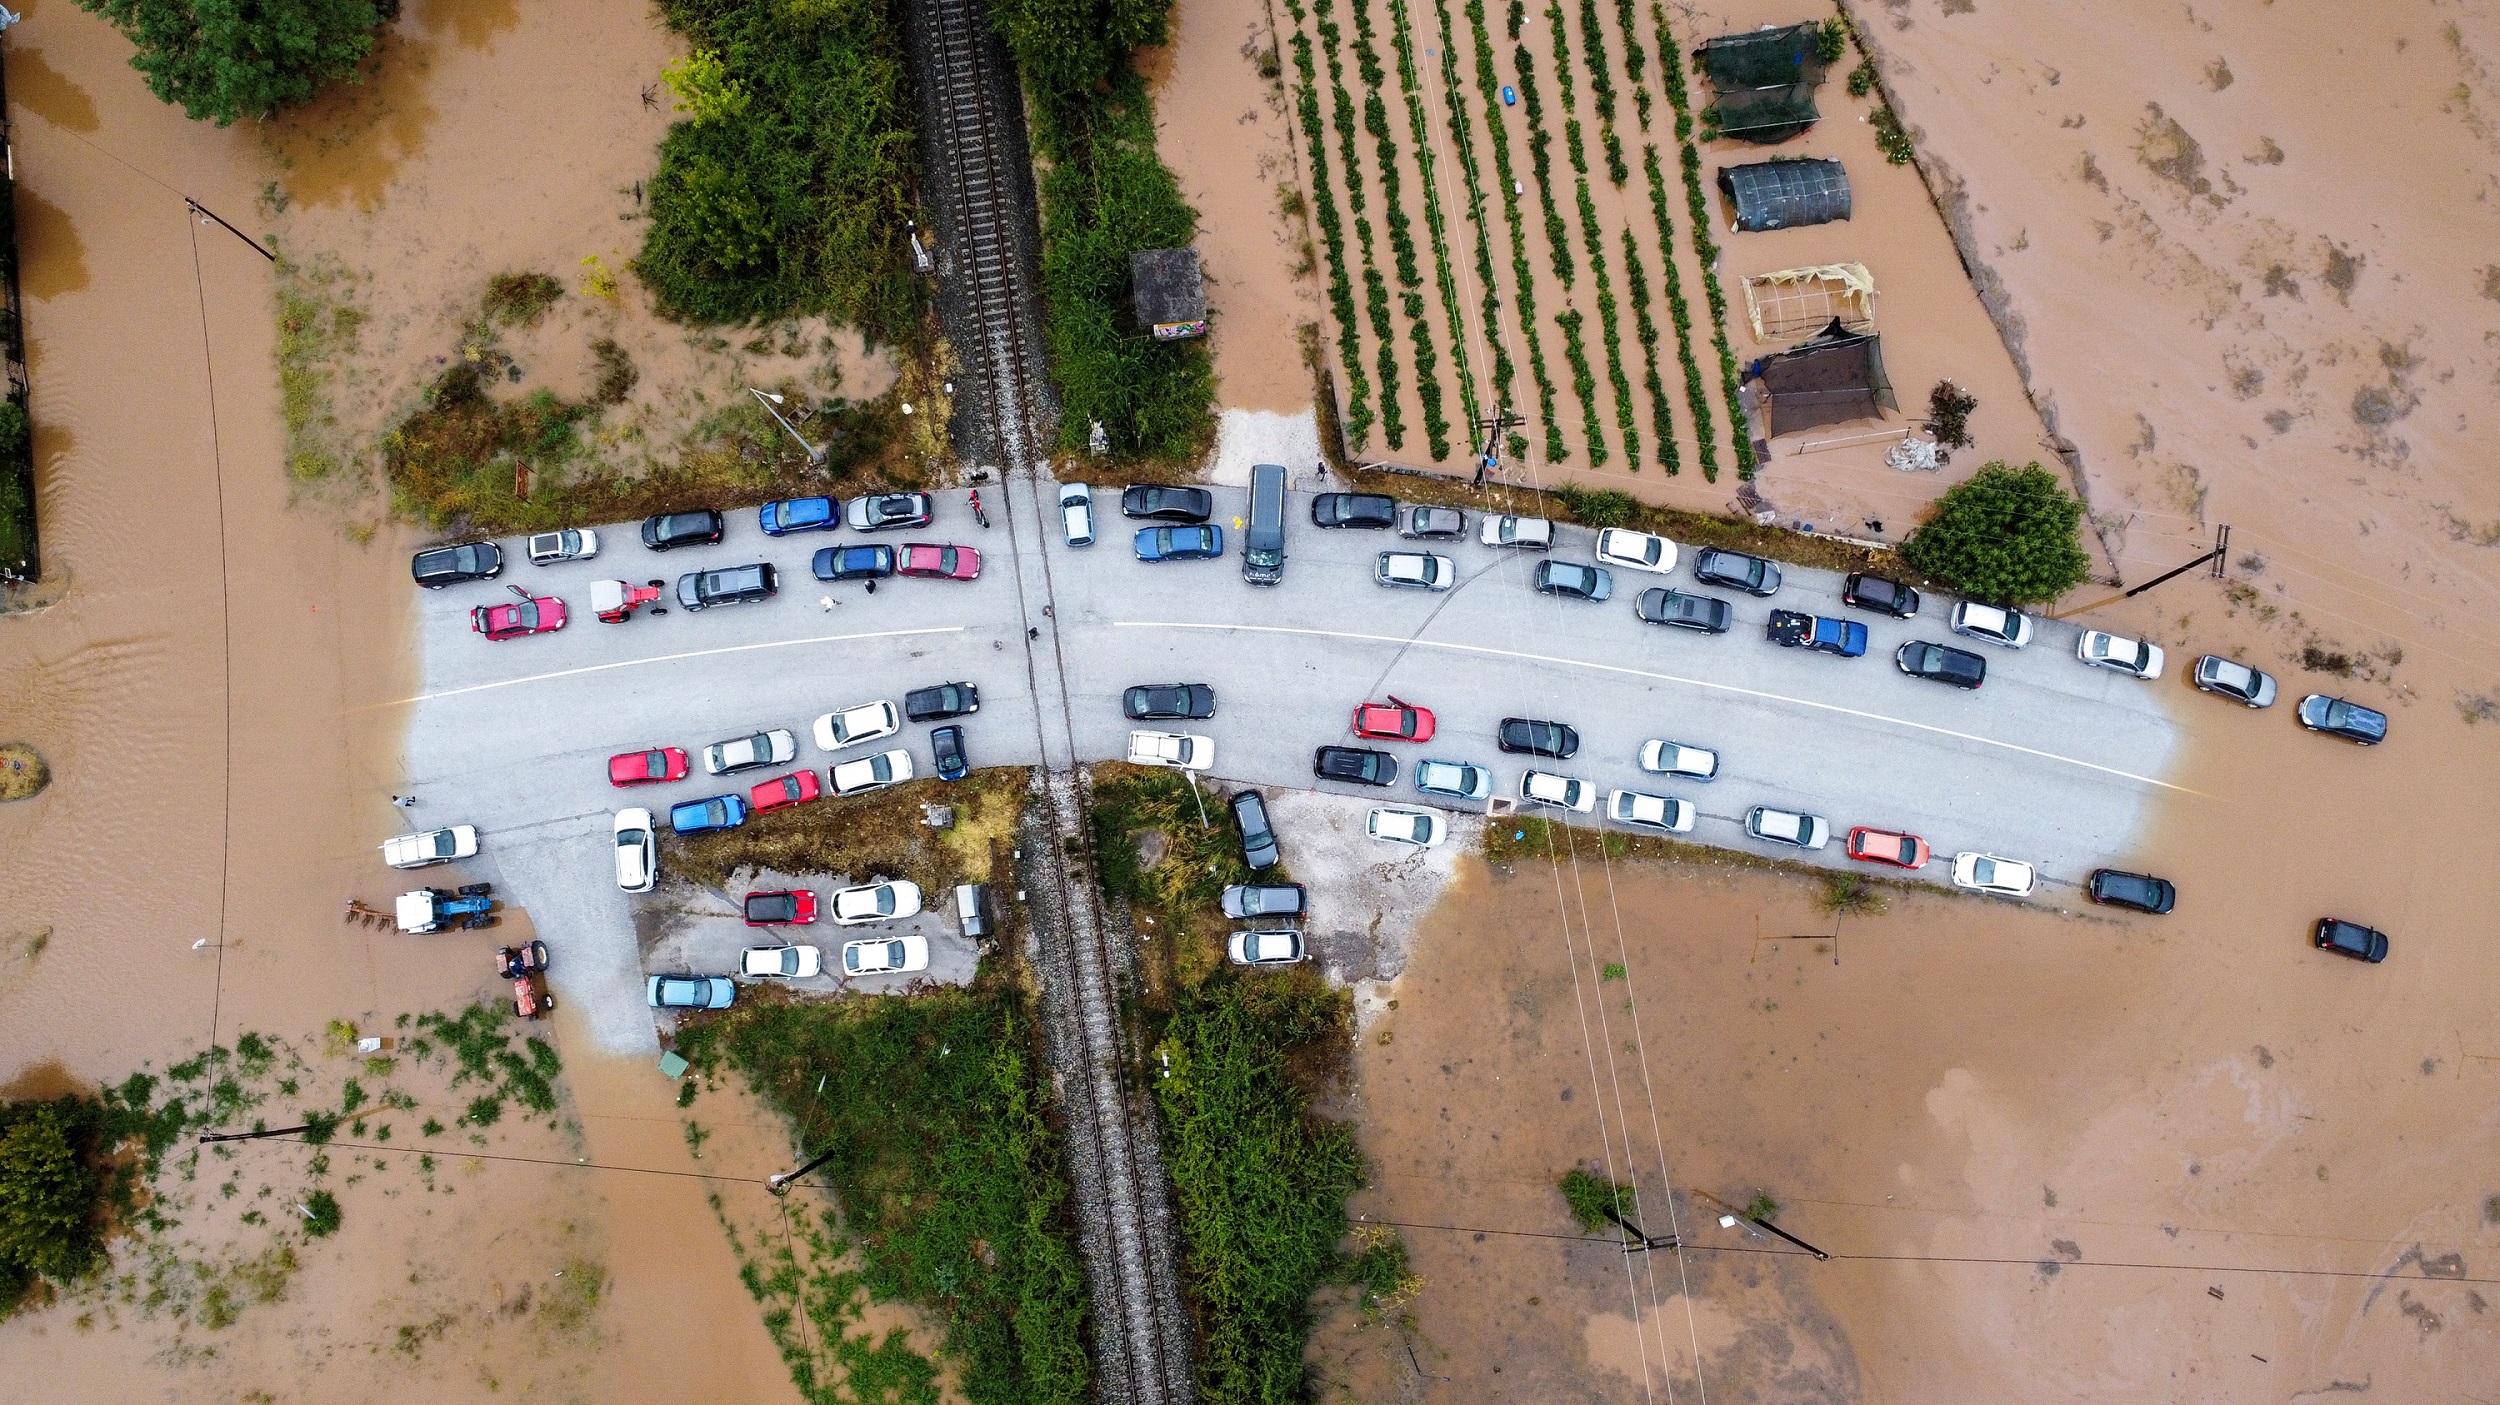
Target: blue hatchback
[
  {"x": 798, "y": 515},
  {"x": 946, "y": 744},
  {"x": 853, "y": 563},
  {"x": 704, "y": 816},
  {"x": 1180, "y": 543}
]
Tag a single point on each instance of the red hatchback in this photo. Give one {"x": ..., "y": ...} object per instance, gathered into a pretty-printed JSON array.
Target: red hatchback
[
  {"x": 796, "y": 788},
  {"x": 1393, "y": 721},
  {"x": 660, "y": 763},
  {"x": 1884, "y": 846},
  {"x": 789, "y": 908},
  {"x": 946, "y": 563},
  {"x": 542, "y": 615}
]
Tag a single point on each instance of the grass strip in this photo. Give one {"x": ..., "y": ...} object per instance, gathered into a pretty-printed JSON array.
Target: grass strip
[
  {"x": 1436, "y": 425},
  {"x": 1703, "y": 248},
  {"x": 1696, "y": 396},
  {"x": 1332, "y": 234}
]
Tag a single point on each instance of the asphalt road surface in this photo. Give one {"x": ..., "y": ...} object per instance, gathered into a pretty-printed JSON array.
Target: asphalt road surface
[{"x": 2051, "y": 762}]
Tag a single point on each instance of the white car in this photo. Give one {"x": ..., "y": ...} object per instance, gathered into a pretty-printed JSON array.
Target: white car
[
  {"x": 1076, "y": 513},
  {"x": 1533, "y": 533},
  {"x": 746, "y": 753},
  {"x": 2112, "y": 651},
  {"x": 1676, "y": 759},
  {"x": 432, "y": 847},
  {"x": 853, "y": 725},
  {"x": 1639, "y": 551},
  {"x": 637, "y": 851},
  {"x": 1986, "y": 873},
  {"x": 1787, "y": 827},
  {"x": 872, "y": 773},
  {"x": 780, "y": 963},
  {"x": 1281, "y": 947},
  {"x": 886, "y": 900},
  {"x": 1186, "y": 750},
  {"x": 571, "y": 544},
  {"x": 1562, "y": 792},
  {"x": 2009, "y": 629},
  {"x": 1415, "y": 570},
  {"x": 1660, "y": 812},
  {"x": 886, "y": 956},
  {"x": 1395, "y": 824}
]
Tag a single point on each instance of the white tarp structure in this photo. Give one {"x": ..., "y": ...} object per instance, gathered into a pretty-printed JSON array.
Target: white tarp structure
[{"x": 1798, "y": 302}]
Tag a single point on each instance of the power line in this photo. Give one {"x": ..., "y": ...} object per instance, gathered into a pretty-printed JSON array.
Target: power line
[{"x": 225, "y": 630}]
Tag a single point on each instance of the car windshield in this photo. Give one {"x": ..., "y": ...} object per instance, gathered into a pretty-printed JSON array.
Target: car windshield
[
  {"x": 946, "y": 559},
  {"x": 893, "y": 955}
]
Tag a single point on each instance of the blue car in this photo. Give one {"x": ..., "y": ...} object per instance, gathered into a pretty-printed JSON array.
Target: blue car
[
  {"x": 689, "y": 992},
  {"x": 798, "y": 515},
  {"x": 704, "y": 816},
  {"x": 1180, "y": 543},
  {"x": 946, "y": 744},
  {"x": 853, "y": 563}
]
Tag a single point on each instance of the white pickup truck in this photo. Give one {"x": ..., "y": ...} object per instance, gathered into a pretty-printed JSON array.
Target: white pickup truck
[{"x": 432, "y": 847}]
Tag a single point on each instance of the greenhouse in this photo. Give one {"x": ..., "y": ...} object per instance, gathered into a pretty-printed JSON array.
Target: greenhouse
[
  {"x": 1786, "y": 194},
  {"x": 1763, "y": 81},
  {"x": 1837, "y": 377}
]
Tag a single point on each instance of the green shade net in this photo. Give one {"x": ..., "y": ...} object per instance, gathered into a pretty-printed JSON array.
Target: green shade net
[{"x": 1764, "y": 81}]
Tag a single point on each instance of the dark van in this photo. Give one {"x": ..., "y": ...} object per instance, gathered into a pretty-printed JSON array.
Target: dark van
[
  {"x": 731, "y": 585},
  {"x": 1263, "y": 546}
]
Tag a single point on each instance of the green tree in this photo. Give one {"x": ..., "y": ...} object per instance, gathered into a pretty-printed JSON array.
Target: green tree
[
  {"x": 704, "y": 89},
  {"x": 1069, "y": 46},
  {"x": 224, "y": 59},
  {"x": 2008, "y": 536},
  {"x": 47, "y": 1200}
]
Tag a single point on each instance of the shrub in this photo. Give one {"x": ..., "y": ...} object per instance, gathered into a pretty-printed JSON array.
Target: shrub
[
  {"x": 1599, "y": 508},
  {"x": 323, "y": 1217},
  {"x": 2007, "y": 536},
  {"x": 48, "y": 1200},
  {"x": 705, "y": 90},
  {"x": 1890, "y": 139},
  {"x": 221, "y": 61},
  {"x": 1070, "y": 48},
  {"x": 1948, "y": 414},
  {"x": 1862, "y": 78},
  {"x": 519, "y": 299},
  {"x": 1594, "y": 1199},
  {"x": 1831, "y": 42}
]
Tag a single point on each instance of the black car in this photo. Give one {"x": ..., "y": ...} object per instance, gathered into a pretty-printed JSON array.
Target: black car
[
  {"x": 671, "y": 530},
  {"x": 1941, "y": 664},
  {"x": 1354, "y": 510},
  {"x": 1263, "y": 900},
  {"x": 885, "y": 512},
  {"x": 2351, "y": 939},
  {"x": 731, "y": 585},
  {"x": 1882, "y": 596},
  {"x": 1573, "y": 579},
  {"x": 1162, "y": 504},
  {"x": 2140, "y": 891},
  {"x": 2338, "y": 718},
  {"x": 941, "y": 702},
  {"x": 852, "y": 563},
  {"x": 1168, "y": 702},
  {"x": 1258, "y": 838},
  {"x": 1354, "y": 763},
  {"x": 439, "y": 566},
  {"x": 1707, "y": 613},
  {"x": 1526, "y": 736},
  {"x": 1750, "y": 574}
]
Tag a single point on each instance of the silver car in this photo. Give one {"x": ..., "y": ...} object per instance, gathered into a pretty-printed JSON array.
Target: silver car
[
  {"x": 1787, "y": 827},
  {"x": 746, "y": 753},
  {"x": 1456, "y": 779},
  {"x": 1076, "y": 513},
  {"x": 1415, "y": 570},
  {"x": 1676, "y": 759},
  {"x": 2236, "y": 681}
]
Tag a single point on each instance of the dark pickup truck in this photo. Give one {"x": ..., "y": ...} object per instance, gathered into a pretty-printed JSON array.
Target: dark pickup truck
[{"x": 1792, "y": 630}]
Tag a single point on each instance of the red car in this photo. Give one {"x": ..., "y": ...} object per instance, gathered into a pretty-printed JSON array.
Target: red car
[
  {"x": 1393, "y": 721},
  {"x": 660, "y": 763},
  {"x": 1884, "y": 846},
  {"x": 541, "y": 615},
  {"x": 950, "y": 563},
  {"x": 796, "y": 788},
  {"x": 794, "y": 908}
]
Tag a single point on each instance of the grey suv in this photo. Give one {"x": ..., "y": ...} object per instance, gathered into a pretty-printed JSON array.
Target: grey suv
[{"x": 731, "y": 585}]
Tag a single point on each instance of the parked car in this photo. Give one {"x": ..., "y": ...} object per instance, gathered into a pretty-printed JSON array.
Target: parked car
[
  {"x": 2123, "y": 655},
  {"x": 1433, "y": 524},
  {"x": 1939, "y": 663},
  {"x": 637, "y": 851},
  {"x": 1679, "y": 610},
  {"x": 1886, "y": 846},
  {"x": 1415, "y": 570},
  {"x": 1168, "y": 702},
  {"x": 671, "y": 530},
  {"x": 746, "y": 753},
  {"x": 1157, "y": 503},
  {"x": 2231, "y": 679},
  {"x": 1355, "y": 764},
  {"x": 1676, "y": 759},
  {"x": 1570, "y": 578},
  {"x": 872, "y": 773},
  {"x": 1200, "y": 543},
  {"x": 1185, "y": 751},
  {"x": 1636, "y": 551},
  {"x": 941, "y": 701},
  {"x": 653, "y": 764},
  {"x": 852, "y": 563},
  {"x": 706, "y": 815},
  {"x": 946, "y": 751},
  {"x": 543, "y": 614},
  {"x": 817, "y": 514},
  {"x": 439, "y": 566},
  {"x": 887, "y": 512},
  {"x": 1561, "y": 792},
  {"x": 1367, "y": 510},
  {"x": 1263, "y": 900},
  {"x": 886, "y": 956},
  {"x": 2338, "y": 718},
  {"x": 1456, "y": 779},
  {"x": 1787, "y": 827},
  {"x": 2007, "y": 629},
  {"x": 780, "y": 963},
  {"x": 690, "y": 992},
  {"x": 1823, "y": 634},
  {"x": 1526, "y": 736},
  {"x": 2140, "y": 891},
  {"x": 1396, "y": 824},
  {"x": 430, "y": 847},
  {"x": 1281, "y": 947},
  {"x": 1526, "y": 533},
  {"x": 731, "y": 585},
  {"x": 886, "y": 900},
  {"x": 2350, "y": 939},
  {"x": 1076, "y": 513},
  {"x": 853, "y": 725},
  {"x": 938, "y": 562},
  {"x": 1884, "y": 597},
  {"x": 791, "y": 907},
  {"x": 1750, "y": 574},
  {"x": 1395, "y": 720},
  {"x": 782, "y": 792},
  {"x": 1643, "y": 810},
  {"x": 1258, "y": 837},
  {"x": 1986, "y": 873},
  {"x": 571, "y": 544}
]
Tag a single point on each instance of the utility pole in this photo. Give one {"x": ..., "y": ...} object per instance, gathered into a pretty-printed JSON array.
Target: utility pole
[
  {"x": 1492, "y": 426},
  {"x": 765, "y": 398},
  {"x": 2218, "y": 557}
]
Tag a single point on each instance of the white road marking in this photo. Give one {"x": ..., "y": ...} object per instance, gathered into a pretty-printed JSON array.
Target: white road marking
[
  {"x": 1406, "y": 643},
  {"x": 673, "y": 658}
]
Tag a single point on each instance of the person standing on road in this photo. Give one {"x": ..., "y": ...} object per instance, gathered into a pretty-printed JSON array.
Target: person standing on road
[{"x": 405, "y": 802}]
